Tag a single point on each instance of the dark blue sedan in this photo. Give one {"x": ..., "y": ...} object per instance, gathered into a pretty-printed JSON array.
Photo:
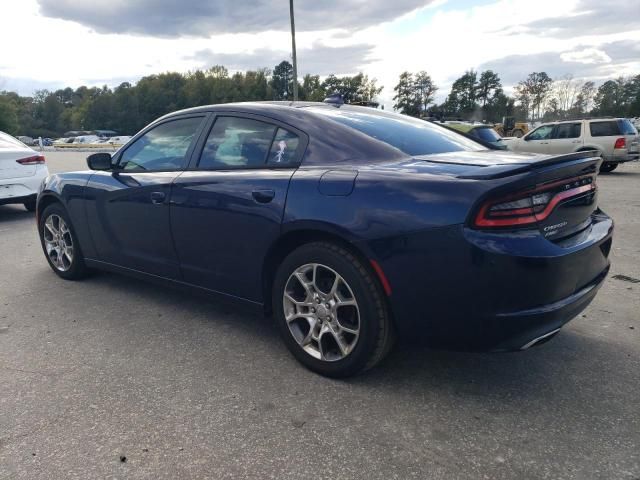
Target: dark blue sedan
[{"x": 349, "y": 225}]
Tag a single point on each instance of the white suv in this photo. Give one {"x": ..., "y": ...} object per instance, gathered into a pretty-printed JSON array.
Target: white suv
[
  {"x": 22, "y": 170},
  {"x": 616, "y": 140}
]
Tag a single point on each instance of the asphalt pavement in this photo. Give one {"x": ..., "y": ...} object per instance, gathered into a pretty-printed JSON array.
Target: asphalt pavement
[{"x": 113, "y": 377}]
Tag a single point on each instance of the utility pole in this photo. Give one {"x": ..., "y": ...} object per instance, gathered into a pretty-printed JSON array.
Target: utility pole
[{"x": 293, "y": 52}]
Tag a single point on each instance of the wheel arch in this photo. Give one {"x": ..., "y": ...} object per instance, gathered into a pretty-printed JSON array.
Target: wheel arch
[
  {"x": 297, "y": 237},
  {"x": 44, "y": 200}
]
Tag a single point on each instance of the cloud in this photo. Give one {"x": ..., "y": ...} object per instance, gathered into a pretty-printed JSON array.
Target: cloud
[
  {"x": 596, "y": 63},
  {"x": 171, "y": 18},
  {"x": 319, "y": 59},
  {"x": 590, "y": 17},
  {"x": 589, "y": 56}
]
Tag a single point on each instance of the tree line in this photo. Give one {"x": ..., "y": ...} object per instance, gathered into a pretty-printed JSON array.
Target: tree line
[
  {"x": 480, "y": 96},
  {"x": 473, "y": 96},
  {"x": 127, "y": 108}
]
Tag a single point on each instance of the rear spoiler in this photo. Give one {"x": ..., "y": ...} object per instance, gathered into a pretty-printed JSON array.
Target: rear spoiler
[{"x": 501, "y": 171}]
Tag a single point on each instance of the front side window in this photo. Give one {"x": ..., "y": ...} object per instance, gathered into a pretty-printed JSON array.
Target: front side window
[
  {"x": 567, "y": 130},
  {"x": 162, "y": 148},
  {"x": 541, "y": 133},
  {"x": 236, "y": 142},
  {"x": 604, "y": 129}
]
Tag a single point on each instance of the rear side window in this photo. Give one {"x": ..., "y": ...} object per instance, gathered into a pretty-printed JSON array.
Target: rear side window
[
  {"x": 604, "y": 129},
  {"x": 567, "y": 130},
  {"x": 236, "y": 142},
  {"x": 409, "y": 135},
  {"x": 163, "y": 147},
  {"x": 626, "y": 127},
  {"x": 283, "y": 148}
]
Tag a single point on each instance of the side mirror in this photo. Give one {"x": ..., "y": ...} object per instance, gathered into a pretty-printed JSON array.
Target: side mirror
[{"x": 99, "y": 161}]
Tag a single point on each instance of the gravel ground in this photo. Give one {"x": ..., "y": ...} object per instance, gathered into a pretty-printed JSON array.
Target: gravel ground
[{"x": 116, "y": 378}]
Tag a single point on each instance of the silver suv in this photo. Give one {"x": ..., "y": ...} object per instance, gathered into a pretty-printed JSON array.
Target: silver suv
[{"x": 615, "y": 139}]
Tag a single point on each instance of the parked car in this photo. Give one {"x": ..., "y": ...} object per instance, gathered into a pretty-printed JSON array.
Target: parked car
[
  {"x": 348, "y": 224},
  {"x": 26, "y": 140},
  {"x": 480, "y": 131},
  {"x": 615, "y": 139},
  {"x": 22, "y": 170}
]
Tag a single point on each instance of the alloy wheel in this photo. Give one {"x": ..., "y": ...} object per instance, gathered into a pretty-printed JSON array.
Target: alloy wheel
[
  {"x": 58, "y": 242},
  {"x": 321, "y": 312}
]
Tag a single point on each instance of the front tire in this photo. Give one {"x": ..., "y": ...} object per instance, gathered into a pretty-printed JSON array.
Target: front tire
[
  {"x": 60, "y": 244},
  {"x": 331, "y": 311}
]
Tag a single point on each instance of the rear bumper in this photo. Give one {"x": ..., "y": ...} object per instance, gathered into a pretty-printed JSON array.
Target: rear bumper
[
  {"x": 22, "y": 189},
  {"x": 472, "y": 290},
  {"x": 622, "y": 156},
  {"x": 523, "y": 329},
  {"x": 22, "y": 199}
]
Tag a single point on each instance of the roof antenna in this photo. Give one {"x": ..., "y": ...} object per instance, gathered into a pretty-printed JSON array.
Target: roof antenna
[{"x": 334, "y": 99}]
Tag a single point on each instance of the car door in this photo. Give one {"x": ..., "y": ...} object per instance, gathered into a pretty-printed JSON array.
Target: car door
[
  {"x": 227, "y": 209},
  {"x": 536, "y": 141},
  {"x": 566, "y": 138},
  {"x": 128, "y": 206}
]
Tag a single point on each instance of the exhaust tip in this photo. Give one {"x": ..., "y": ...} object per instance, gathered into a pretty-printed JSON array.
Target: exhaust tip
[{"x": 540, "y": 340}]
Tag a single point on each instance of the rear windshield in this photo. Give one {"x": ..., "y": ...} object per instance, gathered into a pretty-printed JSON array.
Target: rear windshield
[
  {"x": 487, "y": 134},
  {"x": 604, "y": 129},
  {"x": 626, "y": 127},
  {"x": 409, "y": 135}
]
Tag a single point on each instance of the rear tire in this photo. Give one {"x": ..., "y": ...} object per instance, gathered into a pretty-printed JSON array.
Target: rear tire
[
  {"x": 607, "y": 167},
  {"x": 60, "y": 244},
  {"x": 314, "y": 332}
]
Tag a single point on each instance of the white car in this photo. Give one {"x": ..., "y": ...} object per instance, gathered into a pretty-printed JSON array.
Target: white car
[
  {"x": 22, "y": 170},
  {"x": 615, "y": 139}
]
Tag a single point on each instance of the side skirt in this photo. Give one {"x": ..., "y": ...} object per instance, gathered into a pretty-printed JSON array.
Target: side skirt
[{"x": 243, "y": 303}]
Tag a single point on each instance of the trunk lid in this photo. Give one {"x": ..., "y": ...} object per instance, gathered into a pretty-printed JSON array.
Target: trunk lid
[
  {"x": 555, "y": 193},
  {"x": 9, "y": 167}
]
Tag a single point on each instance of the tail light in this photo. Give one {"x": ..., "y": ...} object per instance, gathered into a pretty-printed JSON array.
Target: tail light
[
  {"x": 620, "y": 143},
  {"x": 531, "y": 205},
  {"x": 34, "y": 160}
]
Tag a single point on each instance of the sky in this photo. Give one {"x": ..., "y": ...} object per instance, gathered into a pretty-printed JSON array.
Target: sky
[{"x": 58, "y": 43}]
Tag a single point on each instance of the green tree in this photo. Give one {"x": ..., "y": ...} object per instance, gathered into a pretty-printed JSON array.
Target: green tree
[
  {"x": 425, "y": 90},
  {"x": 405, "y": 97},
  {"x": 462, "y": 98},
  {"x": 282, "y": 81},
  {"x": 537, "y": 87},
  {"x": 610, "y": 98},
  {"x": 8, "y": 115},
  {"x": 487, "y": 87}
]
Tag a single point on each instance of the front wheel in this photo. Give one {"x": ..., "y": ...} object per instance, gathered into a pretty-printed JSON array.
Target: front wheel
[
  {"x": 607, "y": 167},
  {"x": 331, "y": 311},
  {"x": 60, "y": 244}
]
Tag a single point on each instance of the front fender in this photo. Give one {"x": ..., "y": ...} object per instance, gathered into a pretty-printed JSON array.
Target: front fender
[{"x": 68, "y": 189}]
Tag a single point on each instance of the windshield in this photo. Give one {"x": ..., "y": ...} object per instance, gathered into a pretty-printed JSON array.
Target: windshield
[
  {"x": 410, "y": 135},
  {"x": 487, "y": 134}
]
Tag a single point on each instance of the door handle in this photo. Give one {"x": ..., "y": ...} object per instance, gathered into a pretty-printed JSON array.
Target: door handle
[
  {"x": 157, "y": 197},
  {"x": 263, "y": 196}
]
